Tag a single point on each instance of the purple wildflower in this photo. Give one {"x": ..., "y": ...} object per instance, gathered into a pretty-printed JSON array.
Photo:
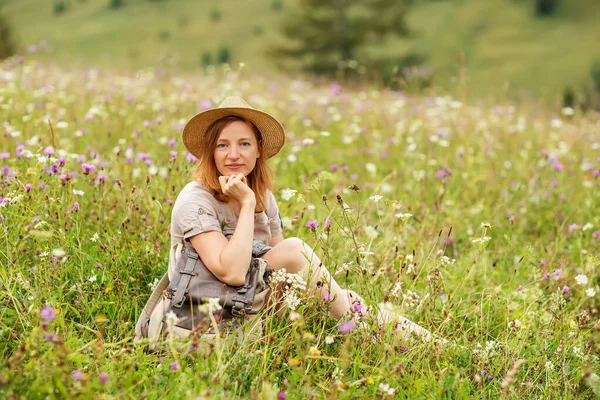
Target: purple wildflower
[
  {"x": 441, "y": 173},
  {"x": 357, "y": 306},
  {"x": 558, "y": 167},
  {"x": 597, "y": 173},
  {"x": 520, "y": 288},
  {"x": 312, "y": 224},
  {"x": 75, "y": 206},
  {"x": 347, "y": 327},
  {"x": 158, "y": 120},
  {"x": 334, "y": 167},
  {"x": 4, "y": 156},
  {"x": 327, "y": 224},
  {"x": 511, "y": 218},
  {"x": 172, "y": 142},
  {"x": 404, "y": 349},
  {"x": 49, "y": 151},
  {"x": 146, "y": 124},
  {"x": 191, "y": 158},
  {"x": 174, "y": 366},
  {"x": 48, "y": 313},
  {"x": 281, "y": 395},
  {"x": 205, "y": 104},
  {"x": 103, "y": 376},
  {"x": 328, "y": 298},
  {"x": 51, "y": 337},
  {"x": 572, "y": 227},
  {"x": 546, "y": 276},
  {"x": 28, "y": 187},
  {"x": 77, "y": 375},
  {"x": 596, "y": 234},
  {"x": 173, "y": 154},
  {"x": 87, "y": 168},
  {"x": 565, "y": 289},
  {"x": 558, "y": 272}
]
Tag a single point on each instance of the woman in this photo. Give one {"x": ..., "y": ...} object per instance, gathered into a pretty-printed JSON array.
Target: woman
[{"x": 229, "y": 214}]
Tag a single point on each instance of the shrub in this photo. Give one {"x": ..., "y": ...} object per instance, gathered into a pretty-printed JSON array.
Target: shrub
[
  {"x": 569, "y": 97},
  {"x": 595, "y": 73},
  {"x": 545, "y": 7},
  {"x": 224, "y": 55},
  {"x": 207, "y": 58},
  {"x": 277, "y": 5},
  {"x": 60, "y": 7},
  {"x": 7, "y": 44},
  {"x": 215, "y": 15},
  {"x": 116, "y": 3}
]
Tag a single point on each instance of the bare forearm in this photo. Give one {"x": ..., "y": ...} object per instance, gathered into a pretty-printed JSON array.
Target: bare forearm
[{"x": 237, "y": 254}]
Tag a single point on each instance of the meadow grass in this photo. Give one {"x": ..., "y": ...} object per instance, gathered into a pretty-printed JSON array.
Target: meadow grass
[
  {"x": 479, "y": 222},
  {"x": 501, "y": 45}
]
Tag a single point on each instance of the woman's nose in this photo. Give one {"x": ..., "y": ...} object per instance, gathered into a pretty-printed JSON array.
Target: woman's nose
[{"x": 234, "y": 152}]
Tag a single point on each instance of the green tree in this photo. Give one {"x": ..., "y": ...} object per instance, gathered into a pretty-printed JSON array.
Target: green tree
[
  {"x": 7, "y": 45},
  {"x": 325, "y": 35}
]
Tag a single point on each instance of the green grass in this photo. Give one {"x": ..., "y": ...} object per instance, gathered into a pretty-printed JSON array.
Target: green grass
[
  {"x": 502, "y": 46},
  {"x": 500, "y": 301}
]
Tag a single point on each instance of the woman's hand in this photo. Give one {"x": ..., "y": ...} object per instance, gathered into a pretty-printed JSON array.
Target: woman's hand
[{"x": 236, "y": 187}]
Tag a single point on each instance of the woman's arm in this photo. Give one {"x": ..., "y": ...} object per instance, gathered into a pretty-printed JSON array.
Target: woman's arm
[{"x": 276, "y": 240}]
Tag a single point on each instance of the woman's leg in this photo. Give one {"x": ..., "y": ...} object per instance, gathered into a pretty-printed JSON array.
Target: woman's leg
[{"x": 297, "y": 257}]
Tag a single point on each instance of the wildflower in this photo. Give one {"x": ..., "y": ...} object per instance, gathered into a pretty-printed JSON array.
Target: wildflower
[
  {"x": 28, "y": 187},
  {"x": 294, "y": 362},
  {"x": 511, "y": 218},
  {"x": 385, "y": 388},
  {"x": 486, "y": 225},
  {"x": 75, "y": 206},
  {"x": 520, "y": 288},
  {"x": 95, "y": 237},
  {"x": 581, "y": 279},
  {"x": 328, "y": 298},
  {"x": 334, "y": 167},
  {"x": 174, "y": 366},
  {"x": 546, "y": 276},
  {"x": 403, "y": 217},
  {"x": 327, "y": 224},
  {"x": 308, "y": 335},
  {"x": 87, "y": 168},
  {"x": 590, "y": 292},
  {"x": 328, "y": 339},
  {"x": 558, "y": 272},
  {"x": 78, "y": 192},
  {"x": 404, "y": 349},
  {"x": 103, "y": 376},
  {"x": 549, "y": 365},
  {"x": 376, "y": 198},
  {"x": 281, "y": 395},
  {"x": 314, "y": 351},
  {"x": 295, "y": 316},
  {"x": 210, "y": 305},
  {"x": 347, "y": 327},
  {"x": 565, "y": 289},
  {"x": 48, "y": 313},
  {"x": 92, "y": 278},
  {"x": 288, "y": 194},
  {"x": 77, "y": 375},
  {"x": 587, "y": 226},
  {"x": 357, "y": 306},
  {"x": 596, "y": 234},
  {"x": 372, "y": 168},
  {"x": 312, "y": 224},
  {"x": 572, "y": 227},
  {"x": 51, "y": 337}
]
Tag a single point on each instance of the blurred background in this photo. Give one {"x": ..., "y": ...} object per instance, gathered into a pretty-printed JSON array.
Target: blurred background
[{"x": 543, "y": 49}]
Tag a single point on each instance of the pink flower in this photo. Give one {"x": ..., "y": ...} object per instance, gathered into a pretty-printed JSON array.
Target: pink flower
[
  {"x": 572, "y": 227},
  {"x": 558, "y": 167},
  {"x": 28, "y": 187},
  {"x": 75, "y": 206},
  {"x": 328, "y": 298},
  {"x": 357, "y": 306},
  {"x": 281, "y": 395},
  {"x": 312, "y": 224},
  {"x": 103, "y": 376},
  {"x": 558, "y": 272},
  {"x": 347, "y": 326},
  {"x": 511, "y": 218},
  {"x": 174, "y": 366},
  {"x": 334, "y": 167},
  {"x": 546, "y": 276},
  {"x": 77, "y": 375},
  {"x": 596, "y": 234},
  {"x": 565, "y": 289},
  {"x": 48, "y": 313}
]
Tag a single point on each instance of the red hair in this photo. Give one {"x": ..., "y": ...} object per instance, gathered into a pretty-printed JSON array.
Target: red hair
[{"x": 205, "y": 171}]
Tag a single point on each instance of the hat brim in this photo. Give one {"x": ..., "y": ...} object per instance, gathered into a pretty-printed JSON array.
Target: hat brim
[{"x": 271, "y": 130}]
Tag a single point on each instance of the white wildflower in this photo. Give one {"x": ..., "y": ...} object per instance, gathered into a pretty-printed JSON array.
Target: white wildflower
[
  {"x": 329, "y": 339},
  {"x": 171, "y": 319},
  {"x": 385, "y": 388},
  {"x": 577, "y": 351},
  {"x": 308, "y": 141},
  {"x": 78, "y": 192},
  {"x": 445, "y": 260},
  {"x": 95, "y": 237},
  {"x": 396, "y": 289},
  {"x": 591, "y": 292},
  {"x": 287, "y": 222},
  {"x": 581, "y": 279},
  {"x": 587, "y": 226},
  {"x": 549, "y": 365},
  {"x": 60, "y": 253},
  {"x": 372, "y": 168},
  {"x": 210, "y": 305},
  {"x": 486, "y": 225},
  {"x": 153, "y": 285},
  {"x": 376, "y": 198},
  {"x": 404, "y": 216},
  {"x": 92, "y": 278},
  {"x": 288, "y": 194},
  {"x": 371, "y": 232}
]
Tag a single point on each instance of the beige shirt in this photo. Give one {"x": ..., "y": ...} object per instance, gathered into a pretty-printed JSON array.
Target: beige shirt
[{"x": 196, "y": 210}]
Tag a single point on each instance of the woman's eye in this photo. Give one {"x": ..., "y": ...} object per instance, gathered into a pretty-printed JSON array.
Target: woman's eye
[
  {"x": 246, "y": 144},
  {"x": 220, "y": 145}
]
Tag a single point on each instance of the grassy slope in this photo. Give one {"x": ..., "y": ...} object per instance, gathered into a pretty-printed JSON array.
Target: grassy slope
[{"x": 503, "y": 46}]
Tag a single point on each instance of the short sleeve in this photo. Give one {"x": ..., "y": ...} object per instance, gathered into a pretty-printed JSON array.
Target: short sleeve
[
  {"x": 275, "y": 224},
  {"x": 197, "y": 216}
]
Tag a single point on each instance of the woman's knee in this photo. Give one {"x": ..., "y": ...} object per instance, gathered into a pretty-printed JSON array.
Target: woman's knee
[{"x": 292, "y": 253}]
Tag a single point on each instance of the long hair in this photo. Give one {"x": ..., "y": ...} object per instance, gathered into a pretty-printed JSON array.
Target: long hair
[{"x": 205, "y": 171}]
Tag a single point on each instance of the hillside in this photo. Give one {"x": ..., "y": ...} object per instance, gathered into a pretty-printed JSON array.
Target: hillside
[{"x": 499, "y": 42}]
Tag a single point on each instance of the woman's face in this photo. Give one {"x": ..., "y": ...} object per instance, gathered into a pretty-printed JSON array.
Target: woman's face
[{"x": 237, "y": 149}]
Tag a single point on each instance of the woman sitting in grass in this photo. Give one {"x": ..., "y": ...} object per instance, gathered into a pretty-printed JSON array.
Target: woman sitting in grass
[{"x": 229, "y": 213}]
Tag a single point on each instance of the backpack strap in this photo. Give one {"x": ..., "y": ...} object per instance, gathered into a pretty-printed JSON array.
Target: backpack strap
[
  {"x": 141, "y": 327},
  {"x": 181, "y": 282}
]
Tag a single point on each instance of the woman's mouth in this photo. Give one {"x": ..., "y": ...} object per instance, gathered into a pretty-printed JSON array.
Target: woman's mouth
[{"x": 234, "y": 166}]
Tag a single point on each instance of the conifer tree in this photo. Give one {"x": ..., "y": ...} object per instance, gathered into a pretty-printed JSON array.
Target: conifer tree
[{"x": 324, "y": 34}]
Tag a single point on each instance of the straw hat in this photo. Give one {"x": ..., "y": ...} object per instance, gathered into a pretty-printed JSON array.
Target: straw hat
[{"x": 194, "y": 132}]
